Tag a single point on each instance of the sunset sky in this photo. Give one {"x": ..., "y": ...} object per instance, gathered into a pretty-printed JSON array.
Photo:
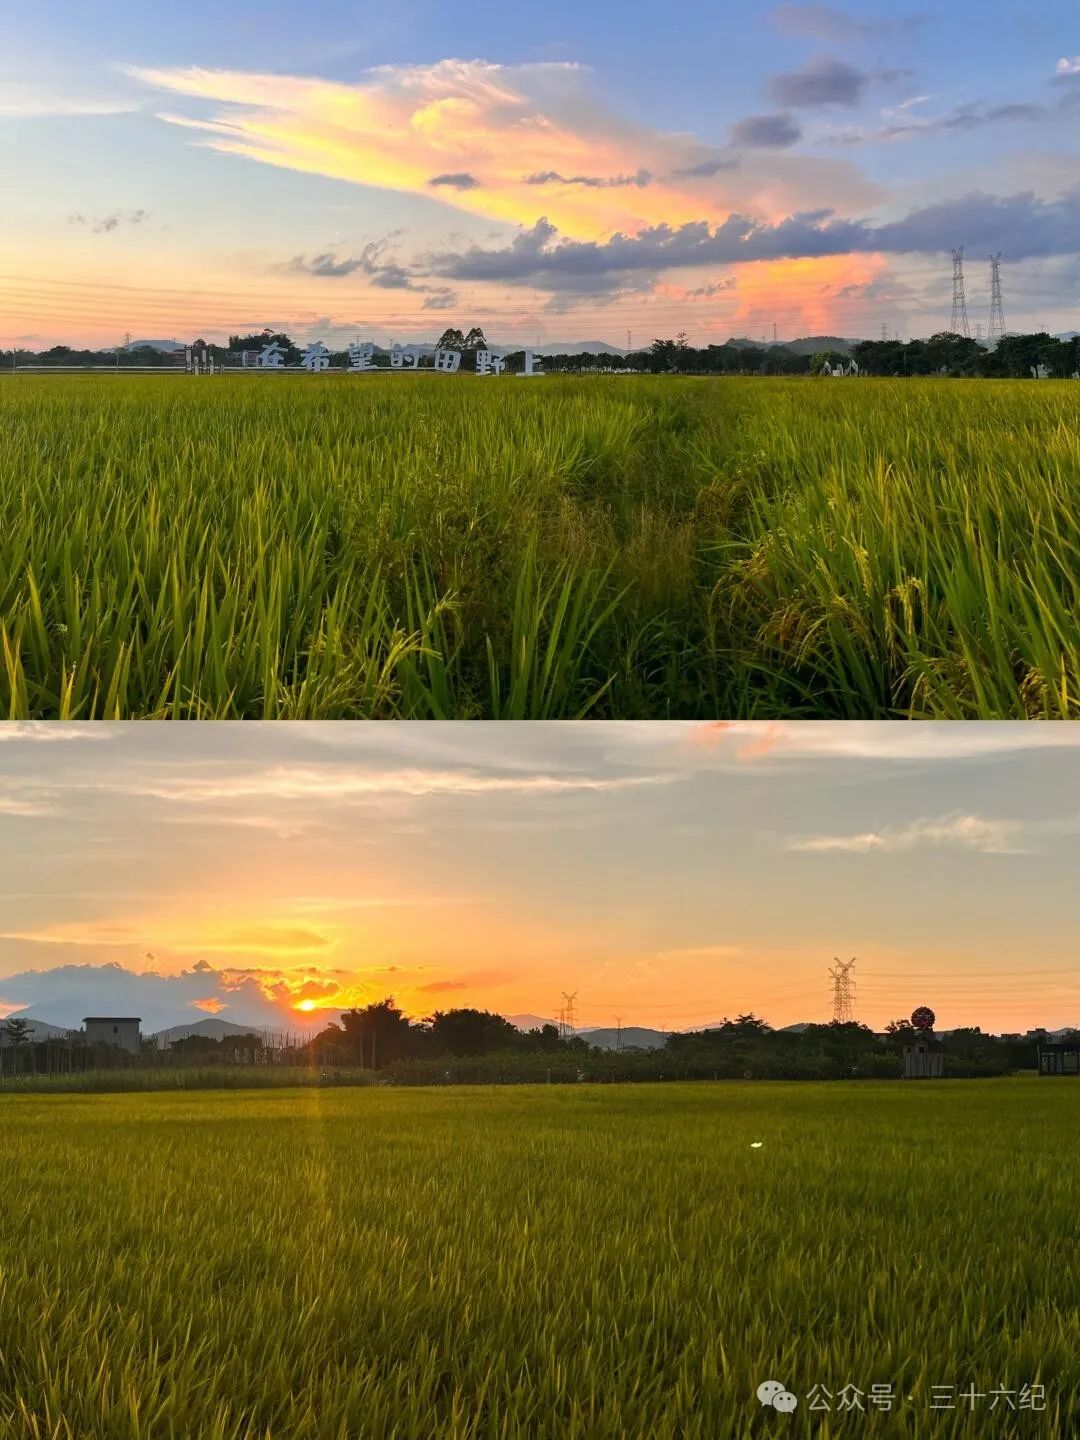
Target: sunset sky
[
  {"x": 667, "y": 873},
  {"x": 553, "y": 171}
]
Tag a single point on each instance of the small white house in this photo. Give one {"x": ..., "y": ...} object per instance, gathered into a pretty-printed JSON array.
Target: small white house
[{"x": 120, "y": 1030}]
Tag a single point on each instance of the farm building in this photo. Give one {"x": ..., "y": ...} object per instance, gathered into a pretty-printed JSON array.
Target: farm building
[
  {"x": 923, "y": 1061},
  {"x": 1059, "y": 1057},
  {"x": 120, "y": 1030}
]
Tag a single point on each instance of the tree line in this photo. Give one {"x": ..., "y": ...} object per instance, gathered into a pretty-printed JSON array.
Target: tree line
[
  {"x": 1013, "y": 357},
  {"x": 466, "y": 1045}
]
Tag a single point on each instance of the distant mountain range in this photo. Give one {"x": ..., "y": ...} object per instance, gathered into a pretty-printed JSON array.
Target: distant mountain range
[
  {"x": 164, "y": 345},
  {"x": 213, "y": 1030}
]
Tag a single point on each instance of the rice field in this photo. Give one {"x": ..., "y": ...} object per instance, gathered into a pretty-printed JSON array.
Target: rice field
[
  {"x": 539, "y": 1263},
  {"x": 424, "y": 546}
]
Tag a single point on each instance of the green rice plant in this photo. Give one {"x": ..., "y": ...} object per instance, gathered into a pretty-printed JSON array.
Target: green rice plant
[
  {"x": 579, "y": 1262},
  {"x": 430, "y": 546}
]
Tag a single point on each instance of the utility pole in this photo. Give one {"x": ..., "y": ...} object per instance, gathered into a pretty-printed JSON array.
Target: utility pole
[
  {"x": 843, "y": 991},
  {"x": 958, "y": 324}
]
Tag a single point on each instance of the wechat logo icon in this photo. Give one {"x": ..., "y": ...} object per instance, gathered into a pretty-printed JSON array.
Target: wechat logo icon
[{"x": 771, "y": 1392}]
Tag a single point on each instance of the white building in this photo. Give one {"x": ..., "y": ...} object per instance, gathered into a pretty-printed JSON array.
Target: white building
[{"x": 120, "y": 1030}]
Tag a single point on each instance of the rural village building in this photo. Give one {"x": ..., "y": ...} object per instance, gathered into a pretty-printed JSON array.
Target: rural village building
[
  {"x": 1059, "y": 1057},
  {"x": 120, "y": 1030}
]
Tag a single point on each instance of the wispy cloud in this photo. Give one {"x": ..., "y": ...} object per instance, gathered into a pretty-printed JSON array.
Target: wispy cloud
[
  {"x": 486, "y": 138},
  {"x": 36, "y": 100},
  {"x": 964, "y": 832},
  {"x": 879, "y": 739},
  {"x": 330, "y": 782},
  {"x": 25, "y": 809},
  {"x": 206, "y": 939},
  {"x": 837, "y": 27},
  {"x": 595, "y": 182},
  {"x": 105, "y": 224},
  {"x": 48, "y": 732}
]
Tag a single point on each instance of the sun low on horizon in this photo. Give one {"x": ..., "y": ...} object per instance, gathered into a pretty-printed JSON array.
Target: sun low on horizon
[{"x": 666, "y": 874}]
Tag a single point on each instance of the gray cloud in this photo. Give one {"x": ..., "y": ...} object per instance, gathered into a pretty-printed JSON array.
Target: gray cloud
[
  {"x": 596, "y": 182},
  {"x": 719, "y": 287},
  {"x": 1068, "y": 78},
  {"x": 1020, "y": 226},
  {"x": 64, "y": 994},
  {"x": 459, "y": 180},
  {"x": 826, "y": 81},
  {"x": 327, "y": 265},
  {"x": 1022, "y": 111},
  {"x": 440, "y": 300},
  {"x": 107, "y": 223},
  {"x": 704, "y": 169},
  {"x": 392, "y": 277},
  {"x": 972, "y": 115},
  {"x": 385, "y": 275},
  {"x": 836, "y": 27},
  {"x": 766, "y": 132}
]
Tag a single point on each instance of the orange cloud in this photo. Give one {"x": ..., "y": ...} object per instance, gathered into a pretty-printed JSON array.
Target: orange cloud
[
  {"x": 509, "y": 143},
  {"x": 805, "y": 293}
]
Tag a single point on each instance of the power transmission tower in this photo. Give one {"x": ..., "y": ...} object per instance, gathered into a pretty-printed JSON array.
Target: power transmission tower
[
  {"x": 843, "y": 991},
  {"x": 566, "y": 1016},
  {"x": 618, "y": 1032},
  {"x": 997, "y": 309},
  {"x": 958, "y": 325},
  {"x": 774, "y": 332},
  {"x": 884, "y": 331}
]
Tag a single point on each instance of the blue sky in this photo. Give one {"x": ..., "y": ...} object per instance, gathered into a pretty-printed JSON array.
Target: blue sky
[
  {"x": 668, "y": 873},
  {"x": 956, "y": 126}
]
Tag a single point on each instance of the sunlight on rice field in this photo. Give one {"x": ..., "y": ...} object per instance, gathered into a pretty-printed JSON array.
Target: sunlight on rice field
[
  {"x": 425, "y": 546},
  {"x": 534, "y": 1261}
]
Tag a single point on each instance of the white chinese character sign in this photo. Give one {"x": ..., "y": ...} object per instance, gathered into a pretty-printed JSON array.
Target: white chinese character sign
[
  {"x": 316, "y": 358},
  {"x": 271, "y": 357},
  {"x": 489, "y": 364},
  {"x": 361, "y": 357},
  {"x": 447, "y": 361}
]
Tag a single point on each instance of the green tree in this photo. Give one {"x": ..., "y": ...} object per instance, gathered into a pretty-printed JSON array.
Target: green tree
[
  {"x": 472, "y": 1032},
  {"x": 378, "y": 1034},
  {"x": 18, "y": 1035}
]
